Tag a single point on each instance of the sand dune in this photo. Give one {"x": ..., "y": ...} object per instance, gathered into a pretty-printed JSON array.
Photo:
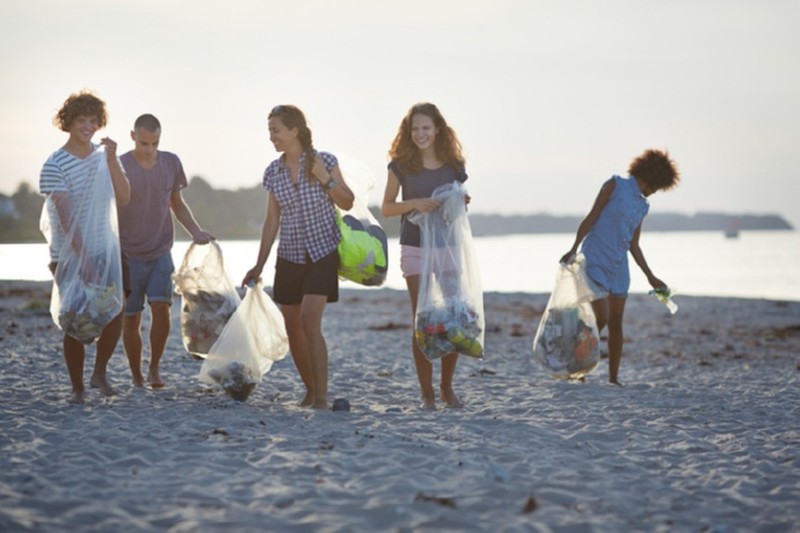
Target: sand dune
[{"x": 703, "y": 437}]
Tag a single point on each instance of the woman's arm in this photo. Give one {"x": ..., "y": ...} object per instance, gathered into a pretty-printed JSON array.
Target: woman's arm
[
  {"x": 638, "y": 256},
  {"x": 586, "y": 224},
  {"x": 339, "y": 192},
  {"x": 269, "y": 231}
]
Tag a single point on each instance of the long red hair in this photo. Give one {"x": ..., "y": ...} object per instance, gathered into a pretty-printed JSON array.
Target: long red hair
[{"x": 447, "y": 146}]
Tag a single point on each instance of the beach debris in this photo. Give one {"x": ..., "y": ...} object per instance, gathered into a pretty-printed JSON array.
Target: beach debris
[
  {"x": 664, "y": 295},
  {"x": 449, "y": 317},
  {"x": 567, "y": 341},
  {"x": 252, "y": 340},
  {"x": 389, "y": 326},
  {"x": 499, "y": 473},
  {"x": 438, "y": 500},
  {"x": 209, "y": 297},
  {"x": 452, "y": 328},
  {"x": 86, "y": 310},
  {"x": 203, "y": 317},
  {"x": 785, "y": 332},
  {"x": 567, "y": 344},
  {"x": 530, "y": 505},
  {"x": 340, "y": 404},
  {"x": 363, "y": 248},
  {"x": 218, "y": 432},
  {"x": 284, "y": 502},
  {"x": 237, "y": 380}
]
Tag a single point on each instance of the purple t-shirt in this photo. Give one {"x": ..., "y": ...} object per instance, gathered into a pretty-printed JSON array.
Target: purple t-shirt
[
  {"x": 422, "y": 185},
  {"x": 145, "y": 224}
]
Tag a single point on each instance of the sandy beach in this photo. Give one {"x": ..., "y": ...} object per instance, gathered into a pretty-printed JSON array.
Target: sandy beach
[{"x": 704, "y": 436}]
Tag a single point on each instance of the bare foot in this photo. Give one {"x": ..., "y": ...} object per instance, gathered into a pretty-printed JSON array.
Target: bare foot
[
  {"x": 307, "y": 401},
  {"x": 320, "y": 404},
  {"x": 76, "y": 398},
  {"x": 451, "y": 400},
  {"x": 154, "y": 379},
  {"x": 102, "y": 383},
  {"x": 138, "y": 381},
  {"x": 615, "y": 382},
  {"x": 428, "y": 404}
]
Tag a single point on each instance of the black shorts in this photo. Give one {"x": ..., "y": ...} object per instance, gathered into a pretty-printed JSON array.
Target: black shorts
[{"x": 293, "y": 281}]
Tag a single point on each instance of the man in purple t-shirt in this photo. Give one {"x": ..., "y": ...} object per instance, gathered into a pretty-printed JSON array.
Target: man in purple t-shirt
[{"x": 147, "y": 236}]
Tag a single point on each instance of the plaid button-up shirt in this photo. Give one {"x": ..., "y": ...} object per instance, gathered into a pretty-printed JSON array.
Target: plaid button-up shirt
[{"x": 308, "y": 216}]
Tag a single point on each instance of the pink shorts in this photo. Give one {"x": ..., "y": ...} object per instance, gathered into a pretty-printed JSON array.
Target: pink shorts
[{"x": 411, "y": 261}]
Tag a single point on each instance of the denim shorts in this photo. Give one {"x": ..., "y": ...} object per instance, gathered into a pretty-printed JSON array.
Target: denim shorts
[
  {"x": 615, "y": 282},
  {"x": 150, "y": 279}
]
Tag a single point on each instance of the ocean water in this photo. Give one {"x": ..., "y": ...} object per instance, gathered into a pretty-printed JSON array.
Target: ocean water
[{"x": 757, "y": 264}]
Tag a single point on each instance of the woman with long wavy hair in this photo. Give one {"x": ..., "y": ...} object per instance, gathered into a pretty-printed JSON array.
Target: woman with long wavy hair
[{"x": 425, "y": 154}]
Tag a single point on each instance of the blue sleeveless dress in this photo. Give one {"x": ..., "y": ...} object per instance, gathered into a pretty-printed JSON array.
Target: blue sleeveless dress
[{"x": 606, "y": 246}]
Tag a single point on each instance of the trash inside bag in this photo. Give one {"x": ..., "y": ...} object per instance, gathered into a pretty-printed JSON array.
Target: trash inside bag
[
  {"x": 363, "y": 248},
  {"x": 454, "y": 328},
  {"x": 449, "y": 316},
  {"x": 83, "y": 233},
  {"x": 254, "y": 338},
  {"x": 87, "y": 308},
  {"x": 208, "y": 297},
  {"x": 567, "y": 341}
]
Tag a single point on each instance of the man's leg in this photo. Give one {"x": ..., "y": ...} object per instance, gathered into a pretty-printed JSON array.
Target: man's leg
[
  {"x": 74, "y": 356},
  {"x": 132, "y": 342},
  {"x": 106, "y": 345},
  {"x": 159, "y": 333}
]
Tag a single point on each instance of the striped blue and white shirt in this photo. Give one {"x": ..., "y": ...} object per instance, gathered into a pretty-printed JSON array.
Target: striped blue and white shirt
[
  {"x": 86, "y": 186},
  {"x": 308, "y": 216}
]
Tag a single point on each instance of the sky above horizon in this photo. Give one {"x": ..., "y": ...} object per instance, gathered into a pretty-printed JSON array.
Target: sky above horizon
[{"x": 548, "y": 98}]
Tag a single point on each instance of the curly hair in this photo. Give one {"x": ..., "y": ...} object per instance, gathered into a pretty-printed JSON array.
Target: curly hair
[
  {"x": 655, "y": 168},
  {"x": 80, "y": 104},
  {"x": 292, "y": 117},
  {"x": 446, "y": 145}
]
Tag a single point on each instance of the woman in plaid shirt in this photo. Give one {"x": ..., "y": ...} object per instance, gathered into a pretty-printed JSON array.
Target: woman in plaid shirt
[{"x": 304, "y": 187}]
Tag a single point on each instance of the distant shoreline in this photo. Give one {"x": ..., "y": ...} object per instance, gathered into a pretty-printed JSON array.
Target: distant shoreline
[
  {"x": 493, "y": 225},
  {"x": 19, "y": 218}
]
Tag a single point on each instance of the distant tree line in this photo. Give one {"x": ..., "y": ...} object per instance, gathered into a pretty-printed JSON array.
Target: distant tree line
[
  {"x": 239, "y": 214},
  {"x": 19, "y": 221}
]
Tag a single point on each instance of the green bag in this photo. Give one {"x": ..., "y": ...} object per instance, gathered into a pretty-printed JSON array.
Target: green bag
[{"x": 363, "y": 250}]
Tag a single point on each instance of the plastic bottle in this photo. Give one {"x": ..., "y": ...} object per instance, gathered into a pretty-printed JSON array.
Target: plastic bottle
[{"x": 664, "y": 295}]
